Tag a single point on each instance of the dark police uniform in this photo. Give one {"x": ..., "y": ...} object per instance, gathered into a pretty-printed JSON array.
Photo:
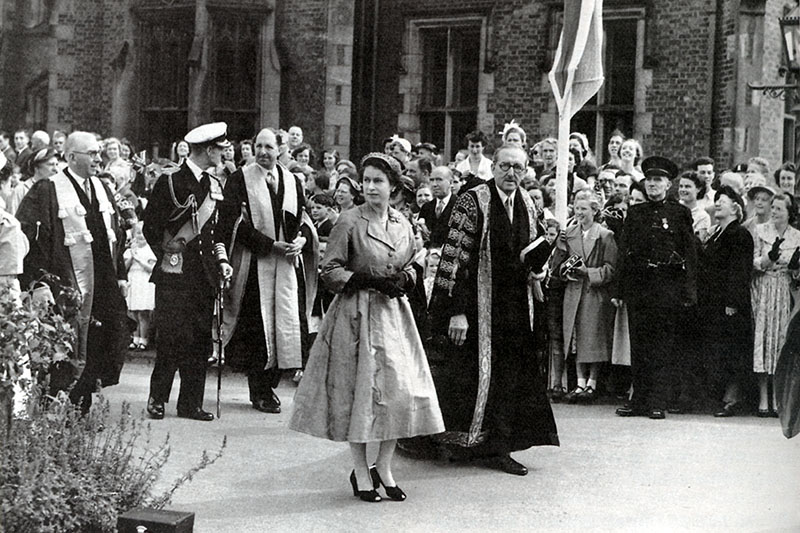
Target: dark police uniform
[
  {"x": 185, "y": 287},
  {"x": 657, "y": 271}
]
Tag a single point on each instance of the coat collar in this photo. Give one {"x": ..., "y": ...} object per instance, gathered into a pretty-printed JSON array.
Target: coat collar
[
  {"x": 578, "y": 244},
  {"x": 389, "y": 235}
]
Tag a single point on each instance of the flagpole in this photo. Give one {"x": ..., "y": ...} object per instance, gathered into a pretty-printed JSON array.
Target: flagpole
[{"x": 561, "y": 166}]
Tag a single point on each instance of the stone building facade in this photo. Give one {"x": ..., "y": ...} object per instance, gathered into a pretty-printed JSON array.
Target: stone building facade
[{"x": 353, "y": 72}]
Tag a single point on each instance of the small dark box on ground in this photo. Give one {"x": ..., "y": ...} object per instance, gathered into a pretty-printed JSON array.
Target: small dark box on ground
[{"x": 155, "y": 521}]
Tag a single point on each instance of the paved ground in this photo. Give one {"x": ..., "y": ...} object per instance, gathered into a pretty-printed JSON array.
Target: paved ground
[{"x": 688, "y": 472}]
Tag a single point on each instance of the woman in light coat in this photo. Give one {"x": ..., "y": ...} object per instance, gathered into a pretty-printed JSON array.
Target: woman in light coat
[{"x": 588, "y": 312}]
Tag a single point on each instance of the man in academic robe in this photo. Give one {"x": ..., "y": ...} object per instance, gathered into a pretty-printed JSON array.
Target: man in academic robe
[
  {"x": 71, "y": 222},
  {"x": 262, "y": 327},
  {"x": 180, "y": 226},
  {"x": 490, "y": 387}
]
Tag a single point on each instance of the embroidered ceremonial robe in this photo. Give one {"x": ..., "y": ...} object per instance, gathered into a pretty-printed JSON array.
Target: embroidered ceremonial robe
[
  {"x": 262, "y": 322},
  {"x": 89, "y": 260},
  {"x": 491, "y": 390}
]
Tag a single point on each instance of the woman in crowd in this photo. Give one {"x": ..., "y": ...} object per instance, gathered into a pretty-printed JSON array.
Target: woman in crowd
[
  {"x": 588, "y": 312},
  {"x": 43, "y": 164},
  {"x": 514, "y": 134},
  {"x": 330, "y": 158},
  {"x": 777, "y": 258},
  {"x": 587, "y": 167},
  {"x": 785, "y": 178},
  {"x": 115, "y": 165},
  {"x": 126, "y": 150},
  {"x": 348, "y": 194},
  {"x": 246, "y": 150},
  {"x": 554, "y": 287},
  {"x": 367, "y": 379},
  {"x": 303, "y": 154},
  {"x": 690, "y": 188},
  {"x": 423, "y": 195},
  {"x": 630, "y": 155},
  {"x": 180, "y": 152},
  {"x": 724, "y": 301},
  {"x": 760, "y": 199}
]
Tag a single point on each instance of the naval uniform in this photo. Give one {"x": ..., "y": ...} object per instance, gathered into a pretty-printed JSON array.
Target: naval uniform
[
  {"x": 185, "y": 284},
  {"x": 657, "y": 271}
]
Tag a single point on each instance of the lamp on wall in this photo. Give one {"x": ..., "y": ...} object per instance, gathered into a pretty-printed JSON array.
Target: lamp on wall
[{"x": 790, "y": 42}]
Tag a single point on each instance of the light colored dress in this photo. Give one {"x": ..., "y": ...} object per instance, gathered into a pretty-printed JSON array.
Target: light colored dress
[
  {"x": 772, "y": 305},
  {"x": 142, "y": 293},
  {"x": 367, "y": 377}
]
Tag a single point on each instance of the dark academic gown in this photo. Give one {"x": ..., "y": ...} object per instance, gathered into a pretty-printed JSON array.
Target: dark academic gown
[
  {"x": 109, "y": 331},
  {"x": 517, "y": 414},
  {"x": 726, "y": 268},
  {"x": 787, "y": 380},
  {"x": 246, "y": 351}
]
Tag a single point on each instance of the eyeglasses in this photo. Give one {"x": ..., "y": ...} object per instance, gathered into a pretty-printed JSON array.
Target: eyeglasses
[
  {"x": 518, "y": 169},
  {"x": 92, "y": 154}
]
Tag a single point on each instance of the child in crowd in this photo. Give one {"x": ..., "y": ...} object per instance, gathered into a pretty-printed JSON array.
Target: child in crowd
[
  {"x": 431, "y": 267},
  {"x": 323, "y": 212},
  {"x": 140, "y": 260},
  {"x": 554, "y": 299}
]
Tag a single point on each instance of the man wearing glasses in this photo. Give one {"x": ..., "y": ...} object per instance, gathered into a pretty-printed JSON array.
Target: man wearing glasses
[
  {"x": 490, "y": 389},
  {"x": 71, "y": 222}
]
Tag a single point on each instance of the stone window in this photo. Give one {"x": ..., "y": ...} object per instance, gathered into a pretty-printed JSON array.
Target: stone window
[
  {"x": 164, "y": 82},
  {"x": 449, "y": 106},
  {"x": 613, "y": 107},
  {"x": 443, "y": 83},
  {"x": 236, "y": 73}
]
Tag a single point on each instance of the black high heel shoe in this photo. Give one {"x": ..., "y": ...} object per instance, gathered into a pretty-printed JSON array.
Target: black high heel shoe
[
  {"x": 365, "y": 495},
  {"x": 395, "y": 493}
]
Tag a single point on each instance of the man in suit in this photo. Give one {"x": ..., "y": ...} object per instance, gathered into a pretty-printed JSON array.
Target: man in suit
[
  {"x": 71, "y": 222},
  {"x": 180, "y": 227},
  {"x": 262, "y": 329},
  {"x": 21, "y": 146},
  {"x": 436, "y": 213}
]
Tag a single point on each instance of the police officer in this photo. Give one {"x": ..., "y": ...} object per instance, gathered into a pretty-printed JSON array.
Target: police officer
[
  {"x": 179, "y": 225},
  {"x": 657, "y": 270}
]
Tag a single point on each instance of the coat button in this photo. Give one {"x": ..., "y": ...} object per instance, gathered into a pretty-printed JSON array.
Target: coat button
[{"x": 391, "y": 254}]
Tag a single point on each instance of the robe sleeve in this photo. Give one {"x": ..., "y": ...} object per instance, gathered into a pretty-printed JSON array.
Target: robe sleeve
[
  {"x": 740, "y": 270},
  {"x": 450, "y": 287}
]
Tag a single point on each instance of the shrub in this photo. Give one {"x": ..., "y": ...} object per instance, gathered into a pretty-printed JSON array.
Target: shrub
[{"x": 64, "y": 472}]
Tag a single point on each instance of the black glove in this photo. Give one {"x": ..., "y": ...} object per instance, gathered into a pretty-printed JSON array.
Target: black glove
[
  {"x": 392, "y": 287},
  {"x": 775, "y": 253},
  {"x": 794, "y": 262}
]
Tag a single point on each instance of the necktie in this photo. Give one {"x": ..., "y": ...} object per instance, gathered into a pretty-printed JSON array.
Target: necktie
[
  {"x": 509, "y": 209},
  {"x": 439, "y": 208},
  {"x": 271, "y": 181},
  {"x": 87, "y": 187}
]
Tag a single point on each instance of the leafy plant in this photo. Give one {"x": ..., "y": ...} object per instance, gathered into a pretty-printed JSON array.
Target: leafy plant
[
  {"x": 33, "y": 337},
  {"x": 62, "y": 471}
]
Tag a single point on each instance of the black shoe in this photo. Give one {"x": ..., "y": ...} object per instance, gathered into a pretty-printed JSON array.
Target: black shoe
[
  {"x": 267, "y": 406},
  {"x": 395, "y": 493},
  {"x": 763, "y": 413},
  {"x": 155, "y": 409},
  {"x": 509, "y": 465},
  {"x": 629, "y": 411},
  {"x": 727, "y": 411},
  {"x": 197, "y": 414},
  {"x": 588, "y": 395},
  {"x": 572, "y": 397},
  {"x": 656, "y": 414},
  {"x": 365, "y": 495}
]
